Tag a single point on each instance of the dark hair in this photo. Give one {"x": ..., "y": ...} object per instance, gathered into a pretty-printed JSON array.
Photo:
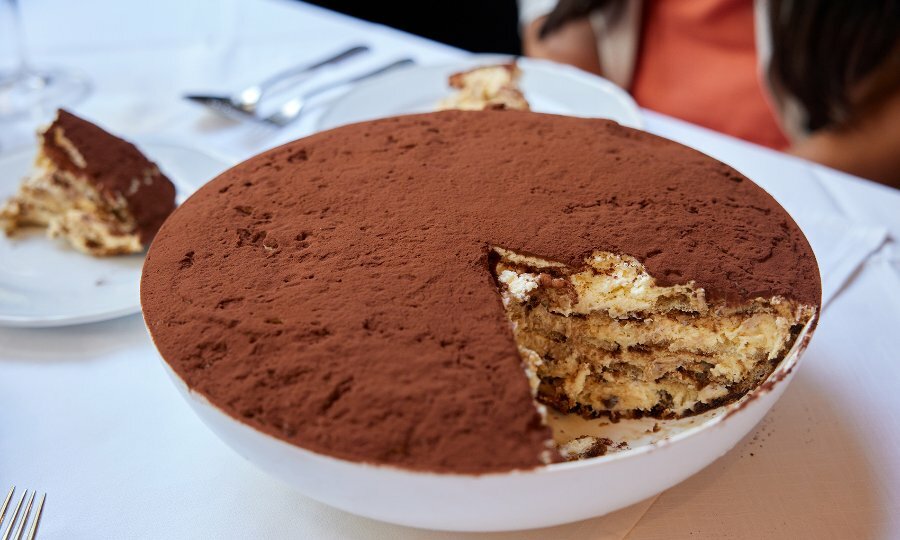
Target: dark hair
[
  {"x": 838, "y": 58},
  {"x": 824, "y": 50}
]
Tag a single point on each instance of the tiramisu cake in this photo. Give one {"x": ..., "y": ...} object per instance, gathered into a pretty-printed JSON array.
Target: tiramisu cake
[
  {"x": 92, "y": 189},
  {"x": 486, "y": 87},
  {"x": 414, "y": 291}
]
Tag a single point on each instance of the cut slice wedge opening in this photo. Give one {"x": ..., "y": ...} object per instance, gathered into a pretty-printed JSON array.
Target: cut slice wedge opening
[{"x": 605, "y": 340}]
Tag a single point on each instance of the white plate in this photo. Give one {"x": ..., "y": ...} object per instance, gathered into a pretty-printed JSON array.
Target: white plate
[
  {"x": 655, "y": 460},
  {"x": 549, "y": 87},
  {"x": 44, "y": 282}
]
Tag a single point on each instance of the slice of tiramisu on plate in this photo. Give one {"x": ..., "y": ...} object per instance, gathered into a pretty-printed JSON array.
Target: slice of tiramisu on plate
[{"x": 91, "y": 188}]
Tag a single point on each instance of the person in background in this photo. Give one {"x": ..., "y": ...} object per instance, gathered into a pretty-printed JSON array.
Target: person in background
[{"x": 816, "y": 78}]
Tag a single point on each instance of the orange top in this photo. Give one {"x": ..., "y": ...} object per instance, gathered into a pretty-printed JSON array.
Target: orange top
[{"x": 698, "y": 62}]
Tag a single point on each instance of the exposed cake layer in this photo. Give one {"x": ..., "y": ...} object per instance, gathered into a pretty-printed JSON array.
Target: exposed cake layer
[
  {"x": 73, "y": 209},
  {"x": 625, "y": 287},
  {"x": 607, "y": 339},
  {"x": 488, "y": 87}
]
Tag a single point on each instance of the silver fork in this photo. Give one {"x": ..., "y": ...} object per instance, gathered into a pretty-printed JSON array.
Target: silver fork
[{"x": 14, "y": 517}]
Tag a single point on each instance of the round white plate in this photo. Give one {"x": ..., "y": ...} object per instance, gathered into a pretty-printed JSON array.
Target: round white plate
[
  {"x": 549, "y": 88},
  {"x": 44, "y": 282}
]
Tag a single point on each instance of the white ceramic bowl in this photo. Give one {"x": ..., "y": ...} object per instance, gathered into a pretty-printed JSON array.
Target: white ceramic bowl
[{"x": 542, "y": 497}]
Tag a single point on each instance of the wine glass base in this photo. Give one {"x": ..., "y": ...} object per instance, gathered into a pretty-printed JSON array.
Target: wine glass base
[{"x": 41, "y": 92}]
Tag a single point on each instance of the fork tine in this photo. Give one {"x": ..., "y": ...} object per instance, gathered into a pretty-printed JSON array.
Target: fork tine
[
  {"x": 37, "y": 517},
  {"x": 18, "y": 534},
  {"x": 15, "y": 515},
  {"x": 6, "y": 504}
]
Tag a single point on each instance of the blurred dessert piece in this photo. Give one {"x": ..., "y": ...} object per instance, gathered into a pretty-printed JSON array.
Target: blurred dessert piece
[
  {"x": 487, "y": 87},
  {"x": 607, "y": 339},
  {"x": 91, "y": 188}
]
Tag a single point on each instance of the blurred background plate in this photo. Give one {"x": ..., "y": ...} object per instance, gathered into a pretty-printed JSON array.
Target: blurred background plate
[
  {"x": 548, "y": 86},
  {"x": 44, "y": 282}
]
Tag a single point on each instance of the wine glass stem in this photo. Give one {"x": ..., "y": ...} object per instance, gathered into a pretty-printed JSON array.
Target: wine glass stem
[{"x": 18, "y": 36}]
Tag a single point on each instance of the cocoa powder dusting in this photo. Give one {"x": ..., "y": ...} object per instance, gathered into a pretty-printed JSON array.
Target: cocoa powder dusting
[{"x": 335, "y": 292}]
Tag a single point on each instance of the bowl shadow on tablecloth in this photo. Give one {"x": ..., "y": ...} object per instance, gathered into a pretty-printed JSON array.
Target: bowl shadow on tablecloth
[
  {"x": 802, "y": 473},
  {"x": 84, "y": 342}
]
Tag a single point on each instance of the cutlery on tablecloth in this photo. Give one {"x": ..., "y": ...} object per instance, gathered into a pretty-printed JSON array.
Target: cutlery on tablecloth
[
  {"x": 14, "y": 517},
  {"x": 247, "y": 100},
  {"x": 292, "y": 109}
]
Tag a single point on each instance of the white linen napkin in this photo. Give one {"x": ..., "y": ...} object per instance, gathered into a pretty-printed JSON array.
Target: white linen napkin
[{"x": 840, "y": 245}]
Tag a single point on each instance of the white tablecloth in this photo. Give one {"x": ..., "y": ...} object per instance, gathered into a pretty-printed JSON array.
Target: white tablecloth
[{"x": 87, "y": 414}]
